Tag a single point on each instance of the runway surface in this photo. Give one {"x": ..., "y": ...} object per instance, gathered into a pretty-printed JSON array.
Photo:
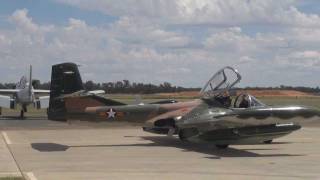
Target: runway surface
[{"x": 46, "y": 150}]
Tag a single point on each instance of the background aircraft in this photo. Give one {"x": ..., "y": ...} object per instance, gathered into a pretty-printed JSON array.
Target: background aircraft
[
  {"x": 24, "y": 94},
  {"x": 68, "y": 96},
  {"x": 215, "y": 118}
]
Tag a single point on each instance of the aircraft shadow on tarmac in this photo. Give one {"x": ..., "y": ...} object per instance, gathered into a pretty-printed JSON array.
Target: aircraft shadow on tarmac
[{"x": 160, "y": 141}]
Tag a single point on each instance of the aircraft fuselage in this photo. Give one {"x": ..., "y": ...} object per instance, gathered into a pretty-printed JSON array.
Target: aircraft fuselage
[{"x": 25, "y": 96}]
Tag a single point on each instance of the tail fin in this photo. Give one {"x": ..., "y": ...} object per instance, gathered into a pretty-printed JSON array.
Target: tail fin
[
  {"x": 30, "y": 81},
  {"x": 65, "y": 79}
]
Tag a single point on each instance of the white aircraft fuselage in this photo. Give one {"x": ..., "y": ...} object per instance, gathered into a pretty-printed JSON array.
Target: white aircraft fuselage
[{"x": 24, "y": 95}]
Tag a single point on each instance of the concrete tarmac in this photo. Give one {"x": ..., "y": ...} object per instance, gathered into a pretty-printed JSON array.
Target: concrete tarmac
[{"x": 46, "y": 150}]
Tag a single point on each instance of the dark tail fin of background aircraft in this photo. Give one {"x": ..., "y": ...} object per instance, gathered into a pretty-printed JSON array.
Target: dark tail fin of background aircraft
[{"x": 65, "y": 79}]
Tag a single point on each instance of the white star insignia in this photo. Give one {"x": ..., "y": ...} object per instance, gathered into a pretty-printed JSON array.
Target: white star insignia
[{"x": 111, "y": 113}]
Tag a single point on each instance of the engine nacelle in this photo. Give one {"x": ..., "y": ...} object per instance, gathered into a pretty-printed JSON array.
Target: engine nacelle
[
  {"x": 37, "y": 104},
  {"x": 13, "y": 104},
  {"x": 162, "y": 126},
  {"x": 165, "y": 123}
]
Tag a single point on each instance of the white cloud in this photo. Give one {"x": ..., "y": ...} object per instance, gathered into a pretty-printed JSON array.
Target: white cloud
[
  {"x": 19, "y": 17},
  {"x": 307, "y": 55},
  {"x": 25, "y": 23},
  {"x": 76, "y": 24},
  {"x": 303, "y": 59},
  {"x": 122, "y": 50},
  {"x": 140, "y": 46},
  {"x": 225, "y": 12},
  {"x": 133, "y": 31},
  {"x": 235, "y": 41}
]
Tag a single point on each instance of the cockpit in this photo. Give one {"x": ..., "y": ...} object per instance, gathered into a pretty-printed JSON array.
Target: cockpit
[
  {"x": 245, "y": 100},
  {"x": 220, "y": 89}
]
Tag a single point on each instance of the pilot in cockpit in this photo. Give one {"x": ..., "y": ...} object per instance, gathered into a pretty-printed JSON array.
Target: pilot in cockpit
[
  {"x": 224, "y": 99},
  {"x": 245, "y": 102}
]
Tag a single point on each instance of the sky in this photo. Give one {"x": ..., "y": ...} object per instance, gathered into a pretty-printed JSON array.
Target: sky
[{"x": 183, "y": 42}]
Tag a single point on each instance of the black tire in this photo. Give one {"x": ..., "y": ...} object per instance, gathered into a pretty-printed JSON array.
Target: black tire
[
  {"x": 222, "y": 146},
  {"x": 22, "y": 114},
  {"x": 268, "y": 141},
  {"x": 181, "y": 136}
]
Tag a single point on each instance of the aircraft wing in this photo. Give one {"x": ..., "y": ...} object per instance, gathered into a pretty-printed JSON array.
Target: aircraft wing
[
  {"x": 97, "y": 92},
  {"x": 6, "y": 102},
  {"x": 8, "y": 91},
  {"x": 41, "y": 91},
  {"x": 42, "y": 102}
]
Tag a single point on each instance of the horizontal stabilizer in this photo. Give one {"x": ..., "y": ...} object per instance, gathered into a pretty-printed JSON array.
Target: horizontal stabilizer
[{"x": 97, "y": 92}]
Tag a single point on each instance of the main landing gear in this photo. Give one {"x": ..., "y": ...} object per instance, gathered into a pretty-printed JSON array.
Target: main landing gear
[
  {"x": 24, "y": 109},
  {"x": 222, "y": 146},
  {"x": 268, "y": 141},
  {"x": 22, "y": 114}
]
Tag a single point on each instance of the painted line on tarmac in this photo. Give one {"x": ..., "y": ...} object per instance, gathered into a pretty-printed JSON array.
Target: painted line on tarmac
[
  {"x": 7, "y": 143},
  {"x": 31, "y": 176},
  {"x": 6, "y": 137}
]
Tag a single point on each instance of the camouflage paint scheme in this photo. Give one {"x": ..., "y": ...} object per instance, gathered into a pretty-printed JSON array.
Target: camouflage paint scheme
[{"x": 215, "y": 118}]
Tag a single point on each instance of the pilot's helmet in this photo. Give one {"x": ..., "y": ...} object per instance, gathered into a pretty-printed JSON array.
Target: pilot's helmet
[
  {"x": 226, "y": 93},
  {"x": 246, "y": 97}
]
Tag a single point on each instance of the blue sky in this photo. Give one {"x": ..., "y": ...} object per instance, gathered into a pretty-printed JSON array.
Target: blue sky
[
  {"x": 180, "y": 41},
  {"x": 51, "y": 12}
]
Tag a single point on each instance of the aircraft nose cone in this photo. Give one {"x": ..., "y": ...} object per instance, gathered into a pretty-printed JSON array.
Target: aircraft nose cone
[
  {"x": 295, "y": 114},
  {"x": 307, "y": 114},
  {"x": 310, "y": 112},
  {"x": 315, "y": 112}
]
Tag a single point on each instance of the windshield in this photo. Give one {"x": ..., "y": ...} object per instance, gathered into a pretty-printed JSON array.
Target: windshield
[
  {"x": 220, "y": 82},
  {"x": 254, "y": 102},
  {"x": 245, "y": 100}
]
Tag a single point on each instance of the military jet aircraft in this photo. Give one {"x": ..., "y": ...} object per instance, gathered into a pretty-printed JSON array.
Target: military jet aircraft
[
  {"x": 24, "y": 94},
  {"x": 216, "y": 118}
]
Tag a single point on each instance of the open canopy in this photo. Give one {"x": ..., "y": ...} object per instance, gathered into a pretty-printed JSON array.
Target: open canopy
[{"x": 222, "y": 81}]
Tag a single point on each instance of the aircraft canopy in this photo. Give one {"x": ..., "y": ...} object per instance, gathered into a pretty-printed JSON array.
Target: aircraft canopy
[{"x": 222, "y": 81}]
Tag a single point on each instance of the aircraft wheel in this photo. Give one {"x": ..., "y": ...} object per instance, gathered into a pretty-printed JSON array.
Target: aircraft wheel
[
  {"x": 21, "y": 114},
  {"x": 268, "y": 141},
  {"x": 181, "y": 137},
  {"x": 222, "y": 146}
]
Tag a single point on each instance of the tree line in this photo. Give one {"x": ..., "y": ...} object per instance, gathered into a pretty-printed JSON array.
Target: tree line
[
  {"x": 125, "y": 86},
  {"x": 283, "y": 87}
]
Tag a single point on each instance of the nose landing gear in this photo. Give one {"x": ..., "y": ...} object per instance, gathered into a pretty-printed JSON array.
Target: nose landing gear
[
  {"x": 267, "y": 141},
  {"x": 222, "y": 146}
]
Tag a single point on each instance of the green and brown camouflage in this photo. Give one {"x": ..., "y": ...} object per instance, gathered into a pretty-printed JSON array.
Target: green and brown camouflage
[{"x": 217, "y": 117}]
